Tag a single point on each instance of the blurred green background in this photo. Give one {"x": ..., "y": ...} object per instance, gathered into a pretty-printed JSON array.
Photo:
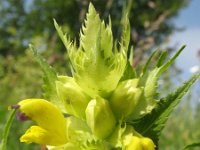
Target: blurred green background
[{"x": 31, "y": 21}]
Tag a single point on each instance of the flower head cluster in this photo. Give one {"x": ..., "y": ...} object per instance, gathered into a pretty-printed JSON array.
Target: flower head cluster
[{"x": 100, "y": 99}]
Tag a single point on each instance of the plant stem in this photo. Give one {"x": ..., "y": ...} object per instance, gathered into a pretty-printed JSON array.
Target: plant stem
[{"x": 6, "y": 130}]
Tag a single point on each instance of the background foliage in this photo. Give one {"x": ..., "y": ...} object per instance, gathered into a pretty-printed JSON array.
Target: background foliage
[{"x": 31, "y": 21}]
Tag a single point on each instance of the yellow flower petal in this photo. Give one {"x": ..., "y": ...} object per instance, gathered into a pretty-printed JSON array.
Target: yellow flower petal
[
  {"x": 147, "y": 144},
  {"x": 51, "y": 129},
  {"x": 138, "y": 143},
  {"x": 135, "y": 144},
  {"x": 36, "y": 134}
]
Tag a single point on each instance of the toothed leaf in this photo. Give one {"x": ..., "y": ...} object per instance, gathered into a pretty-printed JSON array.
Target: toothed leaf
[
  {"x": 150, "y": 79},
  {"x": 66, "y": 41},
  {"x": 89, "y": 30},
  {"x": 152, "y": 124}
]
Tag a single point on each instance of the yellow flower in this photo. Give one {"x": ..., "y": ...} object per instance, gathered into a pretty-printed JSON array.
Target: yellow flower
[
  {"x": 51, "y": 129},
  {"x": 140, "y": 143}
]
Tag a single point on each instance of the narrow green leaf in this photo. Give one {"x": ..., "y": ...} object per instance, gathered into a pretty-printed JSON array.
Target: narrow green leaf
[
  {"x": 152, "y": 124},
  {"x": 149, "y": 79},
  {"x": 192, "y": 145},
  {"x": 147, "y": 63},
  {"x": 7, "y": 130},
  {"x": 171, "y": 60},
  {"x": 161, "y": 58}
]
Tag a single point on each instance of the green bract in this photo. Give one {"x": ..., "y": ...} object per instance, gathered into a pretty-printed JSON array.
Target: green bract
[
  {"x": 108, "y": 105},
  {"x": 97, "y": 64}
]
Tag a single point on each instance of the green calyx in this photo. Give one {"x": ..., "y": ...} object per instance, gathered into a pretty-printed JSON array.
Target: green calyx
[
  {"x": 100, "y": 118},
  {"x": 125, "y": 98},
  {"x": 72, "y": 96}
]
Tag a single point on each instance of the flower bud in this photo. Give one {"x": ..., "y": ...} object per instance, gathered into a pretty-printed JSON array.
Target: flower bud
[
  {"x": 147, "y": 144},
  {"x": 139, "y": 143},
  {"x": 74, "y": 99},
  {"x": 100, "y": 118},
  {"x": 125, "y": 98},
  {"x": 135, "y": 144}
]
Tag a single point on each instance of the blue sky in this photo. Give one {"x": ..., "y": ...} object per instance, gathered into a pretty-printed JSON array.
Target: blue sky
[{"x": 189, "y": 18}]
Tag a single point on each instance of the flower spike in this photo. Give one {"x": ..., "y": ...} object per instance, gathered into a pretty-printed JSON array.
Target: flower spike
[{"x": 106, "y": 104}]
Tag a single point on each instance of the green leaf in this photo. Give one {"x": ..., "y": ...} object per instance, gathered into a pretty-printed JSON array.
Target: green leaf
[
  {"x": 152, "y": 124},
  {"x": 149, "y": 79},
  {"x": 7, "y": 130},
  {"x": 196, "y": 144},
  {"x": 49, "y": 79},
  {"x": 147, "y": 63},
  {"x": 171, "y": 60},
  {"x": 161, "y": 58}
]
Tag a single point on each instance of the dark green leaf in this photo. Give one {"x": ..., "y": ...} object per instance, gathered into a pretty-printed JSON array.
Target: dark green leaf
[{"x": 152, "y": 124}]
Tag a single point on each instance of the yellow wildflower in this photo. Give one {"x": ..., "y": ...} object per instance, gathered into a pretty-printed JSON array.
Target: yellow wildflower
[{"x": 51, "y": 129}]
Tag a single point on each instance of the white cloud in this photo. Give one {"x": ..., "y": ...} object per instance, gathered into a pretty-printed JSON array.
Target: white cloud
[{"x": 195, "y": 69}]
